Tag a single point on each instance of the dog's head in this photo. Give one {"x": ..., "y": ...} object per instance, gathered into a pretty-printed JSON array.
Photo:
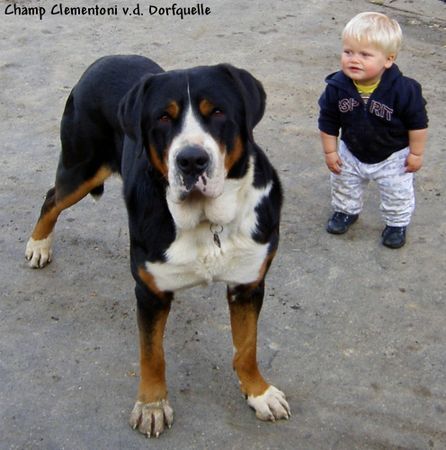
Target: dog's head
[{"x": 195, "y": 125}]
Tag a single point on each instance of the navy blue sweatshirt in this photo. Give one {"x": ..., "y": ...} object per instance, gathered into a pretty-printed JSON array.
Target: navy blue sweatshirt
[{"x": 373, "y": 131}]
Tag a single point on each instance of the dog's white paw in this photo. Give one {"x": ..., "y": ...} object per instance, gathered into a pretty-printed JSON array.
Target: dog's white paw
[
  {"x": 271, "y": 405},
  {"x": 151, "y": 418},
  {"x": 39, "y": 252}
]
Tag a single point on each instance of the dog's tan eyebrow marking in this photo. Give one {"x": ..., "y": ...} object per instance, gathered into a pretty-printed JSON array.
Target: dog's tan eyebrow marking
[
  {"x": 173, "y": 109},
  {"x": 206, "y": 107}
]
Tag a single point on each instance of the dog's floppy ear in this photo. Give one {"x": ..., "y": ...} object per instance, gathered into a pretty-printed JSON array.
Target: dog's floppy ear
[
  {"x": 130, "y": 111},
  {"x": 253, "y": 96}
]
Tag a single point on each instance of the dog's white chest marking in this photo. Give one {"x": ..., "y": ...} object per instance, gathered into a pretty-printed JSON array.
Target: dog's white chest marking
[{"x": 195, "y": 256}]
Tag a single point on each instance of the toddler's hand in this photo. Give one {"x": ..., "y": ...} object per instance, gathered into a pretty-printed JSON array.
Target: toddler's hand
[
  {"x": 413, "y": 162},
  {"x": 334, "y": 162}
]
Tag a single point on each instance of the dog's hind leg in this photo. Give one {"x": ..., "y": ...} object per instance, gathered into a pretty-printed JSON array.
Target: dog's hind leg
[
  {"x": 70, "y": 187},
  {"x": 85, "y": 163},
  {"x": 245, "y": 303}
]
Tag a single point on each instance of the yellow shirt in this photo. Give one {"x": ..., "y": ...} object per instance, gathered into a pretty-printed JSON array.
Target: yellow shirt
[{"x": 365, "y": 91}]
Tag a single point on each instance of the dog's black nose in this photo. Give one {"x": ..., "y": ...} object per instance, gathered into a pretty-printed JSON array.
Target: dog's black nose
[{"x": 192, "y": 160}]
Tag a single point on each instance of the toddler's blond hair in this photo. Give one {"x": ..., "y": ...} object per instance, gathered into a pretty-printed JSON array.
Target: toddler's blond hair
[{"x": 375, "y": 29}]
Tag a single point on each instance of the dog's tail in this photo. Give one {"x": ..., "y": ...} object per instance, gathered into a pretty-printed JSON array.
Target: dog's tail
[{"x": 97, "y": 192}]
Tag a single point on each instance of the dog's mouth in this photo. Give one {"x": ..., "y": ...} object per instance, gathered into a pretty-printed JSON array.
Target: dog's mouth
[
  {"x": 197, "y": 186},
  {"x": 194, "y": 182}
]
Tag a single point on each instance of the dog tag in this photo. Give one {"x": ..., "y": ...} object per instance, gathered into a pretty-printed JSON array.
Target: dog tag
[
  {"x": 217, "y": 240},
  {"x": 216, "y": 230}
]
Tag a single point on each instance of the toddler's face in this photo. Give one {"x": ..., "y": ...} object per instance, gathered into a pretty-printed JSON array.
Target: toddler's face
[{"x": 363, "y": 62}]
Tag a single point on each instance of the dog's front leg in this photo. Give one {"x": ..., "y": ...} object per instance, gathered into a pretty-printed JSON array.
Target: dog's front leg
[
  {"x": 245, "y": 303},
  {"x": 152, "y": 411}
]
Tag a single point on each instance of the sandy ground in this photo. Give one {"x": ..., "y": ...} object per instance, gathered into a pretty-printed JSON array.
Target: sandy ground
[{"x": 354, "y": 333}]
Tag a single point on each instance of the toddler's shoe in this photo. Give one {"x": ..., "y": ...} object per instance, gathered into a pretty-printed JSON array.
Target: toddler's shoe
[
  {"x": 340, "y": 222},
  {"x": 394, "y": 237}
]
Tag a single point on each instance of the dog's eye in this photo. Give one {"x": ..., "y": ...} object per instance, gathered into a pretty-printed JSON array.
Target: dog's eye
[
  {"x": 164, "y": 118},
  {"x": 217, "y": 112}
]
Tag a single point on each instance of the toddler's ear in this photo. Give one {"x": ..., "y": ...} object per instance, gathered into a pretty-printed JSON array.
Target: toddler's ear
[{"x": 390, "y": 60}]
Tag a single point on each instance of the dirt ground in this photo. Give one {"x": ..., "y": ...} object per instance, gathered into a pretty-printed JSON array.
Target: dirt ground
[{"x": 352, "y": 332}]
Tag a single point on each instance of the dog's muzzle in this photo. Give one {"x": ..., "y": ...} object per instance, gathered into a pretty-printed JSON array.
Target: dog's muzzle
[{"x": 192, "y": 162}]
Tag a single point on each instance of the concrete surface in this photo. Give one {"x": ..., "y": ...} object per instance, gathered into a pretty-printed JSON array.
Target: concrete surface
[{"x": 354, "y": 333}]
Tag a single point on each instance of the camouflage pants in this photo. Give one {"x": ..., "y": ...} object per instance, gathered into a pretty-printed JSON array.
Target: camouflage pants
[{"x": 395, "y": 186}]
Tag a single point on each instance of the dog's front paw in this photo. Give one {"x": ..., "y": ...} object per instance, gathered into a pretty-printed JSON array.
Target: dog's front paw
[
  {"x": 271, "y": 405},
  {"x": 39, "y": 252},
  {"x": 151, "y": 418}
]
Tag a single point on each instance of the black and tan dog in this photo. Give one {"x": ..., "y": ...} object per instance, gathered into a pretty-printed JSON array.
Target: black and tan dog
[{"x": 203, "y": 202}]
